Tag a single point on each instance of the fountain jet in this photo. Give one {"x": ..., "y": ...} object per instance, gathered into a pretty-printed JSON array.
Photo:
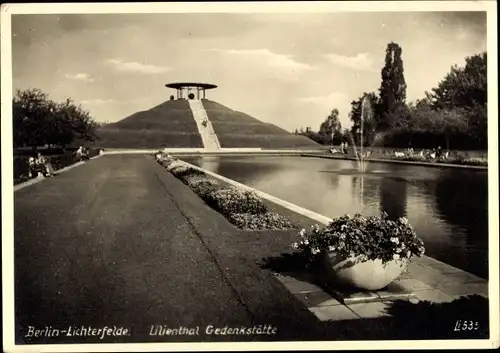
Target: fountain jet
[{"x": 360, "y": 156}]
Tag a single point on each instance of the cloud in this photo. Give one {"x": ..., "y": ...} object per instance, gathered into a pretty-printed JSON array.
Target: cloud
[
  {"x": 133, "y": 66},
  {"x": 98, "y": 101},
  {"x": 327, "y": 100},
  {"x": 463, "y": 34},
  {"x": 324, "y": 104},
  {"x": 362, "y": 61},
  {"x": 264, "y": 58},
  {"x": 80, "y": 77}
]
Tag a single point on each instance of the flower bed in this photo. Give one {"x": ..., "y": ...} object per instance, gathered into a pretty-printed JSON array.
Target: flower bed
[
  {"x": 470, "y": 161},
  {"x": 414, "y": 158},
  {"x": 242, "y": 208},
  {"x": 459, "y": 160}
]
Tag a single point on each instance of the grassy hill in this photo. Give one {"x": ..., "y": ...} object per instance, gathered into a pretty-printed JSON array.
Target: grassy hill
[
  {"x": 171, "y": 124},
  {"x": 237, "y": 129}
]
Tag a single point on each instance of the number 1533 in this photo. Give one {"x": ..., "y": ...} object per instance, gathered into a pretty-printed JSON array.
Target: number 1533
[{"x": 466, "y": 325}]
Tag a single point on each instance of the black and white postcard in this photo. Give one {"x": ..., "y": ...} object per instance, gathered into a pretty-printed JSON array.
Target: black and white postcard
[{"x": 249, "y": 176}]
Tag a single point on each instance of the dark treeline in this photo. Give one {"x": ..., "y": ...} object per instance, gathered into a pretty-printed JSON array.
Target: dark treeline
[
  {"x": 452, "y": 115},
  {"x": 39, "y": 121}
]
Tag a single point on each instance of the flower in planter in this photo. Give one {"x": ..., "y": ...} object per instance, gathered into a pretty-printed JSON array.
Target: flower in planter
[{"x": 364, "y": 238}]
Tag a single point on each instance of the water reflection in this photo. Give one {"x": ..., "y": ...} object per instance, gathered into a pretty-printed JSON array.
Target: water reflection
[
  {"x": 447, "y": 207},
  {"x": 461, "y": 199},
  {"x": 393, "y": 197}
]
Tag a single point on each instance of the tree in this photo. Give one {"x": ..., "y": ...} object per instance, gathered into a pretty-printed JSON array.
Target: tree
[
  {"x": 330, "y": 131},
  {"x": 416, "y": 119},
  {"x": 39, "y": 121},
  {"x": 347, "y": 136},
  {"x": 32, "y": 118},
  {"x": 450, "y": 122},
  {"x": 437, "y": 123},
  {"x": 463, "y": 87},
  {"x": 392, "y": 89},
  {"x": 467, "y": 88}
]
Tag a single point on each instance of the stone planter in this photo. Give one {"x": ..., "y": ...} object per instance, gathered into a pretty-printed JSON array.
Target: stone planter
[{"x": 368, "y": 275}]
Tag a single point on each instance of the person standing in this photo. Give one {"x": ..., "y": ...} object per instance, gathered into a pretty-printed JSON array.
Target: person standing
[
  {"x": 79, "y": 153},
  {"x": 439, "y": 152}
]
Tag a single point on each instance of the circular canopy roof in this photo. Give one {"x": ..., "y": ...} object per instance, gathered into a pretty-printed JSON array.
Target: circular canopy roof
[{"x": 180, "y": 85}]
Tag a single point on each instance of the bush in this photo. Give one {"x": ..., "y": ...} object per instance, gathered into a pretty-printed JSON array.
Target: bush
[
  {"x": 187, "y": 173},
  {"x": 268, "y": 220},
  {"x": 204, "y": 187},
  {"x": 166, "y": 160},
  {"x": 241, "y": 207},
  {"x": 176, "y": 168},
  {"x": 194, "y": 179},
  {"x": 233, "y": 200}
]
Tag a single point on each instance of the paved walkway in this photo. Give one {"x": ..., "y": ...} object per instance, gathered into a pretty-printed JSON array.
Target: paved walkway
[{"x": 120, "y": 241}]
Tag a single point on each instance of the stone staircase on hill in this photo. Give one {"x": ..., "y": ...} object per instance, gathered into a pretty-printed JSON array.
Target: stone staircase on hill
[{"x": 207, "y": 133}]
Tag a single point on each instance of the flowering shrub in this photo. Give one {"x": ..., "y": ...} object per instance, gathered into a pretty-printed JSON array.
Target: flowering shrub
[
  {"x": 185, "y": 172},
  {"x": 268, "y": 220},
  {"x": 460, "y": 160},
  {"x": 204, "y": 187},
  {"x": 233, "y": 200},
  {"x": 193, "y": 180},
  {"x": 471, "y": 161},
  {"x": 176, "y": 165},
  {"x": 413, "y": 158},
  {"x": 363, "y": 238},
  {"x": 242, "y": 208}
]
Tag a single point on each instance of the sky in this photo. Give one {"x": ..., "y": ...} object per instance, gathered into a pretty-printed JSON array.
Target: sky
[{"x": 289, "y": 69}]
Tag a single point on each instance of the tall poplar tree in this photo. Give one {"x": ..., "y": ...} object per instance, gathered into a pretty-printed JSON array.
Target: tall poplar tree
[{"x": 392, "y": 89}]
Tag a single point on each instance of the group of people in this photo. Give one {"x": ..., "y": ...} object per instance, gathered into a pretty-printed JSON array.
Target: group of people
[
  {"x": 436, "y": 153},
  {"x": 40, "y": 166},
  {"x": 82, "y": 154},
  {"x": 343, "y": 148}
]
